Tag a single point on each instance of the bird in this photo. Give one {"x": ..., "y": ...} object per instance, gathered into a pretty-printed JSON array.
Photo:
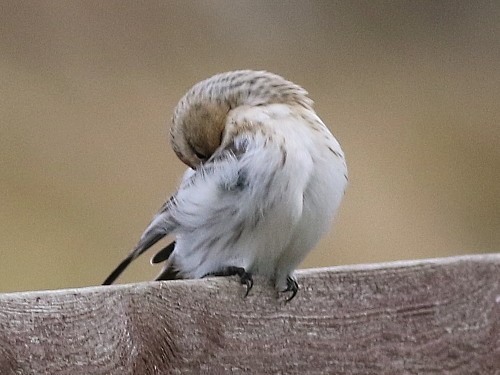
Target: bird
[{"x": 264, "y": 181}]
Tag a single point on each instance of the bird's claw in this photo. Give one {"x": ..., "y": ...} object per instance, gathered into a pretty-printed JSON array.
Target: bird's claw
[
  {"x": 291, "y": 286},
  {"x": 245, "y": 277}
]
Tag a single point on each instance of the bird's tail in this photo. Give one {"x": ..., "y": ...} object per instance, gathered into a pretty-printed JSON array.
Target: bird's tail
[
  {"x": 161, "y": 226},
  {"x": 147, "y": 240}
]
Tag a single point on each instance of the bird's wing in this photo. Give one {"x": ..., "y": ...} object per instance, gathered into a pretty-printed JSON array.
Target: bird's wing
[
  {"x": 245, "y": 201},
  {"x": 230, "y": 193},
  {"x": 164, "y": 223}
]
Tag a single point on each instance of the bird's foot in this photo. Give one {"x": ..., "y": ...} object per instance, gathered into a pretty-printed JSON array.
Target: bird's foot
[
  {"x": 245, "y": 277},
  {"x": 291, "y": 286}
]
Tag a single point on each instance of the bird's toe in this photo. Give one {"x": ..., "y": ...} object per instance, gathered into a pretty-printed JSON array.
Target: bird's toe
[{"x": 291, "y": 286}]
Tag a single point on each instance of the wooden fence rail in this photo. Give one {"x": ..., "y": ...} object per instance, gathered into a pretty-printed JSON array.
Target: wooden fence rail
[{"x": 438, "y": 316}]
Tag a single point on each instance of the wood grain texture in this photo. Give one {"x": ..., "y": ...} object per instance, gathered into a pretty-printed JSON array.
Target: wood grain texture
[{"x": 437, "y": 316}]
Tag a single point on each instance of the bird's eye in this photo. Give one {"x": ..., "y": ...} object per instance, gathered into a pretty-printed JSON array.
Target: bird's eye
[{"x": 200, "y": 156}]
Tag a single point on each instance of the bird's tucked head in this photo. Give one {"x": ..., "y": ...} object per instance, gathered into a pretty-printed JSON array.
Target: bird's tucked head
[{"x": 199, "y": 119}]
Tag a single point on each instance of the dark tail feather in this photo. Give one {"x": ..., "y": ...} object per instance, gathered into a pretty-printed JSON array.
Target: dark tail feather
[
  {"x": 118, "y": 270},
  {"x": 139, "y": 249},
  {"x": 168, "y": 273},
  {"x": 163, "y": 254}
]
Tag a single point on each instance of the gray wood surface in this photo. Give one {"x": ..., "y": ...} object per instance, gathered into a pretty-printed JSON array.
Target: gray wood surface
[{"x": 438, "y": 316}]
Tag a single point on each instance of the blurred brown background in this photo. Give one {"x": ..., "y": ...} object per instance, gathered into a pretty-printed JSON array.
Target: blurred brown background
[{"x": 411, "y": 90}]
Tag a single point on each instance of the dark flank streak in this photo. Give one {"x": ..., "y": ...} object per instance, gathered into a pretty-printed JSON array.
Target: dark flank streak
[
  {"x": 269, "y": 183},
  {"x": 171, "y": 202},
  {"x": 242, "y": 181},
  {"x": 217, "y": 216},
  {"x": 334, "y": 152},
  {"x": 283, "y": 156},
  {"x": 238, "y": 231},
  {"x": 174, "y": 222},
  {"x": 206, "y": 253},
  {"x": 255, "y": 220},
  {"x": 213, "y": 241},
  {"x": 234, "y": 86},
  {"x": 229, "y": 243}
]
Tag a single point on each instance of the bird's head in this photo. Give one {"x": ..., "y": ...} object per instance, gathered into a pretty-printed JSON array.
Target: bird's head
[{"x": 199, "y": 118}]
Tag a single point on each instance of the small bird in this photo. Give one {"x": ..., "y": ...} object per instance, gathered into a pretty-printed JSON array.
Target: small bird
[{"x": 264, "y": 182}]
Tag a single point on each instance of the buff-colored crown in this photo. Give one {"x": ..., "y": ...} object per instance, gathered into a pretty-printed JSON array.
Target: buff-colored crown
[{"x": 199, "y": 119}]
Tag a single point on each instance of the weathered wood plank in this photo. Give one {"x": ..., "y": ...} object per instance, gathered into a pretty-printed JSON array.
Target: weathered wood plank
[{"x": 422, "y": 317}]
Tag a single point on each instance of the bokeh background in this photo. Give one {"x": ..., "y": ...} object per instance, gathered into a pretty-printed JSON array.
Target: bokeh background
[{"x": 411, "y": 90}]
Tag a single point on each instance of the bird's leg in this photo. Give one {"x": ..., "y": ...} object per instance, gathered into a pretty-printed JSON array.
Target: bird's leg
[
  {"x": 291, "y": 286},
  {"x": 245, "y": 277}
]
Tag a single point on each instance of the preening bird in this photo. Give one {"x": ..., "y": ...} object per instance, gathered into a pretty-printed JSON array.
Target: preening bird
[{"x": 264, "y": 182}]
